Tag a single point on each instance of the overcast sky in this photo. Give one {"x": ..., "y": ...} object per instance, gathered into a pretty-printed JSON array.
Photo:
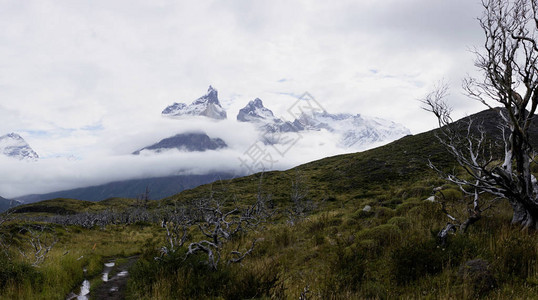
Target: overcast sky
[{"x": 87, "y": 80}]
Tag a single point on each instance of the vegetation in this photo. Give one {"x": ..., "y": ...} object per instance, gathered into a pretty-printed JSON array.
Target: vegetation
[
  {"x": 336, "y": 249},
  {"x": 357, "y": 226}
]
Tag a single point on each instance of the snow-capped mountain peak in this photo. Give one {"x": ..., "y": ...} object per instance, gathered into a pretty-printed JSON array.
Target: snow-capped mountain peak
[
  {"x": 254, "y": 111},
  {"x": 207, "y": 106},
  {"x": 13, "y": 145},
  {"x": 212, "y": 96},
  {"x": 355, "y": 131}
]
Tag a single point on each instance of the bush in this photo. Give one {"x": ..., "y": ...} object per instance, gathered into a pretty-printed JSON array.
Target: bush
[
  {"x": 384, "y": 213},
  {"x": 384, "y": 235},
  {"x": 450, "y": 194},
  {"x": 414, "y": 260},
  {"x": 407, "y": 205},
  {"x": 402, "y": 222},
  {"x": 15, "y": 273},
  {"x": 418, "y": 258},
  {"x": 283, "y": 237},
  {"x": 347, "y": 269},
  {"x": 393, "y": 203},
  {"x": 362, "y": 214},
  {"x": 373, "y": 290},
  {"x": 191, "y": 278},
  {"x": 517, "y": 256},
  {"x": 427, "y": 210}
]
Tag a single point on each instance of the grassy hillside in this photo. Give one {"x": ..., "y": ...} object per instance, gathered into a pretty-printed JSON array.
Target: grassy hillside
[
  {"x": 365, "y": 232},
  {"x": 364, "y": 175},
  {"x": 62, "y": 206}
]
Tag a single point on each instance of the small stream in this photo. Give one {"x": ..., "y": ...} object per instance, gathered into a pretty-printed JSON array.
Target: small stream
[{"x": 84, "y": 291}]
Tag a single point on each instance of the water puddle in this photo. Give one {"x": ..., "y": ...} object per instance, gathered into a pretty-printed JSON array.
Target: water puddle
[
  {"x": 122, "y": 274},
  {"x": 106, "y": 271},
  {"x": 114, "y": 279},
  {"x": 84, "y": 290},
  {"x": 84, "y": 293}
]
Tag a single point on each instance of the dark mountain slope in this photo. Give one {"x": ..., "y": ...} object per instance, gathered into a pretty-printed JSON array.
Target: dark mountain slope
[
  {"x": 159, "y": 188},
  {"x": 186, "y": 142}
]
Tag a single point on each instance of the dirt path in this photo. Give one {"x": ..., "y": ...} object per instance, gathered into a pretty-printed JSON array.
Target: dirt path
[{"x": 114, "y": 287}]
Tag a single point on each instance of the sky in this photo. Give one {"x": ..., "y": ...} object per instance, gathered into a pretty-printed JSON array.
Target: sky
[{"x": 84, "y": 82}]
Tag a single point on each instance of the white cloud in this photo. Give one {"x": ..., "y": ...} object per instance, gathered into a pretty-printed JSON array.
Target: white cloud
[{"x": 90, "y": 78}]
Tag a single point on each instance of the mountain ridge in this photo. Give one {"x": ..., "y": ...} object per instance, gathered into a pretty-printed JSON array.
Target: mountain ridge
[{"x": 159, "y": 187}]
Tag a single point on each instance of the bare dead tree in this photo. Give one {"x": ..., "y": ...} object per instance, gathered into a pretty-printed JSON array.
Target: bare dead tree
[
  {"x": 220, "y": 224},
  {"x": 41, "y": 239},
  {"x": 144, "y": 197},
  {"x": 474, "y": 204},
  {"x": 508, "y": 63},
  {"x": 177, "y": 226},
  {"x": 304, "y": 293},
  {"x": 301, "y": 205},
  {"x": 468, "y": 143}
]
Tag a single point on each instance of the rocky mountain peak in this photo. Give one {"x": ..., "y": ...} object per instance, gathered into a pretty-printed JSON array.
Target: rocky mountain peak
[
  {"x": 254, "y": 111},
  {"x": 212, "y": 96},
  {"x": 207, "y": 106},
  {"x": 256, "y": 103}
]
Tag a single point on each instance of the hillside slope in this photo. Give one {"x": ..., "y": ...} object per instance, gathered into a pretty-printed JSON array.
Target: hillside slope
[
  {"x": 362, "y": 174},
  {"x": 159, "y": 187}
]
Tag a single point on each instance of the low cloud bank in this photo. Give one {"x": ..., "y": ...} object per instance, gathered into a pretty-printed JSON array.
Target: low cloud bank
[{"x": 109, "y": 157}]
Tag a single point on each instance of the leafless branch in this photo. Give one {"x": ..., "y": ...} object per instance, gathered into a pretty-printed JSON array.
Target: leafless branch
[{"x": 40, "y": 239}]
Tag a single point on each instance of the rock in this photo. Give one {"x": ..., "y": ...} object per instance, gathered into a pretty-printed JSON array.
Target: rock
[
  {"x": 431, "y": 199},
  {"x": 367, "y": 208},
  {"x": 478, "y": 274}
]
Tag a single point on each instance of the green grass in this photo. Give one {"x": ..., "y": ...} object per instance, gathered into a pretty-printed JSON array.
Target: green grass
[{"x": 62, "y": 270}]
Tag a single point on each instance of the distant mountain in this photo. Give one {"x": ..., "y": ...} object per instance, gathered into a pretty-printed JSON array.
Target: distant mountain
[
  {"x": 207, "y": 105},
  {"x": 186, "y": 142},
  {"x": 254, "y": 112},
  {"x": 159, "y": 187},
  {"x": 13, "y": 145},
  {"x": 355, "y": 130}
]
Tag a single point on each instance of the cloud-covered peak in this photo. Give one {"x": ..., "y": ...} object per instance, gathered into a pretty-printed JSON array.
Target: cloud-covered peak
[
  {"x": 207, "y": 106},
  {"x": 355, "y": 131},
  {"x": 189, "y": 142}
]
